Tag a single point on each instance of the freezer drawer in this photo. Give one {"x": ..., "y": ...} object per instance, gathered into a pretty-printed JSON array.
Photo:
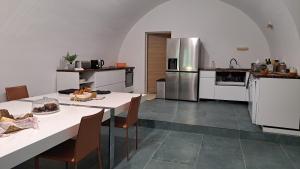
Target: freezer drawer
[
  {"x": 188, "y": 86},
  {"x": 172, "y": 85}
]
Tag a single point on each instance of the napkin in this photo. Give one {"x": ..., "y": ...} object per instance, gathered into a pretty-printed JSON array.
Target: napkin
[{"x": 9, "y": 124}]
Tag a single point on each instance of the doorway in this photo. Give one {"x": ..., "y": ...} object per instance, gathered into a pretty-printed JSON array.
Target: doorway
[{"x": 156, "y": 47}]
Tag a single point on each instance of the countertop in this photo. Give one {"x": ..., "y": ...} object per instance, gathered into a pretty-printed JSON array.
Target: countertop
[
  {"x": 255, "y": 74},
  {"x": 95, "y": 70},
  {"x": 226, "y": 69},
  {"x": 274, "y": 75}
]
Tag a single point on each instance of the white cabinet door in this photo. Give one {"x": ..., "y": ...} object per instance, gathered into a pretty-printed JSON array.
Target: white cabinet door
[
  {"x": 211, "y": 74},
  {"x": 104, "y": 78},
  {"x": 278, "y": 103},
  {"x": 253, "y": 96},
  {"x": 117, "y": 87},
  {"x": 67, "y": 80},
  {"x": 236, "y": 93},
  {"x": 207, "y": 88}
]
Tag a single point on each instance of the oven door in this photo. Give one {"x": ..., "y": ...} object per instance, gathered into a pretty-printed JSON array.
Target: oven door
[{"x": 129, "y": 79}]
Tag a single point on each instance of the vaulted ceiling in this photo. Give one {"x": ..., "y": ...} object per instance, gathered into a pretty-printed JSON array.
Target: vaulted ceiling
[{"x": 114, "y": 18}]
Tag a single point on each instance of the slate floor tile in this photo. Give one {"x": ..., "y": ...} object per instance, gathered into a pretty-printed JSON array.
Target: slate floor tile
[
  {"x": 181, "y": 153},
  {"x": 179, "y": 150},
  {"x": 140, "y": 158},
  {"x": 293, "y": 153},
  {"x": 246, "y": 125},
  {"x": 265, "y": 155},
  {"x": 219, "y": 159},
  {"x": 220, "y": 153},
  {"x": 184, "y": 137},
  {"x": 156, "y": 164},
  {"x": 224, "y": 143}
]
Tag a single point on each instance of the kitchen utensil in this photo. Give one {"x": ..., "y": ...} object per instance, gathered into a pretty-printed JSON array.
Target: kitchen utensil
[
  {"x": 293, "y": 70},
  {"x": 281, "y": 67},
  {"x": 78, "y": 64}
]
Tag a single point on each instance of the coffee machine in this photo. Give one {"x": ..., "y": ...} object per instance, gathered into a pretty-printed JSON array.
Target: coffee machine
[{"x": 97, "y": 64}]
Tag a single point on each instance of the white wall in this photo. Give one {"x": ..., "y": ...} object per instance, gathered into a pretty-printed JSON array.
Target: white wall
[
  {"x": 34, "y": 34},
  {"x": 220, "y": 26},
  {"x": 294, "y": 8},
  {"x": 284, "y": 40}
]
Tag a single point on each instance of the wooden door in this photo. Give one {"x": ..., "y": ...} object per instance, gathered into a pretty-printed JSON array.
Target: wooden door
[{"x": 156, "y": 59}]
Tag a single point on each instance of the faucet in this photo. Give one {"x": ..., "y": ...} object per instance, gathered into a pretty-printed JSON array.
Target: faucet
[{"x": 231, "y": 65}]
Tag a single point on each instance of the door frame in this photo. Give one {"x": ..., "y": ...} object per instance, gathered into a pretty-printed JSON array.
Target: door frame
[{"x": 146, "y": 54}]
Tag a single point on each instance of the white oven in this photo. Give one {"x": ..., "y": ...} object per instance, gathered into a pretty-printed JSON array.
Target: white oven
[{"x": 129, "y": 79}]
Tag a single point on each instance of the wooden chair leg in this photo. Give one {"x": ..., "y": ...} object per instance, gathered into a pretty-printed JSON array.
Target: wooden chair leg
[
  {"x": 36, "y": 163},
  {"x": 75, "y": 165},
  {"x": 127, "y": 146},
  {"x": 100, "y": 159},
  {"x": 136, "y": 137}
]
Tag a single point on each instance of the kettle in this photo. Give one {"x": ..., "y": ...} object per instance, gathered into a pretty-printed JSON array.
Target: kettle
[{"x": 101, "y": 63}]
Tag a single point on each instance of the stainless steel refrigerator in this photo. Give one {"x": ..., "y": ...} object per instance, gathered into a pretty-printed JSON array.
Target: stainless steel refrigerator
[{"x": 183, "y": 62}]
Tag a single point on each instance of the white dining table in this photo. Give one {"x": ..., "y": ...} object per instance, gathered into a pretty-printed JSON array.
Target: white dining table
[{"x": 58, "y": 127}]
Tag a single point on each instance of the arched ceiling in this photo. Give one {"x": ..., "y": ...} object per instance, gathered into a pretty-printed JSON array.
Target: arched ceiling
[
  {"x": 284, "y": 39},
  {"x": 264, "y": 9},
  {"x": 108, "y": 20},
  {"x": 116, "y": 17}
]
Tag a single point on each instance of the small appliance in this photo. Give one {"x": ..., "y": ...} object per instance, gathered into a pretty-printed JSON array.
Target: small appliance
[
  {"x": 86, "y": 64},
  {"x": 97, "y": 64},
  {"x": 129, "y": 79},
  {"x": 78, "y": 64}
]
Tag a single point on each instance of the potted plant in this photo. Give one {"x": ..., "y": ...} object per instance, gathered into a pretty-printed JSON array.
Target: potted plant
[{"x": 70, "y": 59}]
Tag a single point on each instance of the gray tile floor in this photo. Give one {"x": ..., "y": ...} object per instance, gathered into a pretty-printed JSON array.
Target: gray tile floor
[
  {"x": 163, "y": 149},
  {"x": 166, "y": 149},
  {"x": 221, "y": 114},
  {"x": 180, "y": 150}
]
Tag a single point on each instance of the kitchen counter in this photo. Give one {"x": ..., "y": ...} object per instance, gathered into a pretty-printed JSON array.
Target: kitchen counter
[
  {"x": 255, "y": 74},
  {"x": 225, "y": 69},
  {"x": 274, "y": 75},
  {"x": 95, "y": 70}
]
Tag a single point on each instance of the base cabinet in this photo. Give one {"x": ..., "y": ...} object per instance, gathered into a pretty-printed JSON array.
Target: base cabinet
[
  {"x": 236, "y": 93},
  {"x": 105, "y": 78},
  {"x": 112, "y": 80},
  {"x": 118, "y": 87},
  {"x": 278, "y": 103},
  {"x": 207, "y": 88}
]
